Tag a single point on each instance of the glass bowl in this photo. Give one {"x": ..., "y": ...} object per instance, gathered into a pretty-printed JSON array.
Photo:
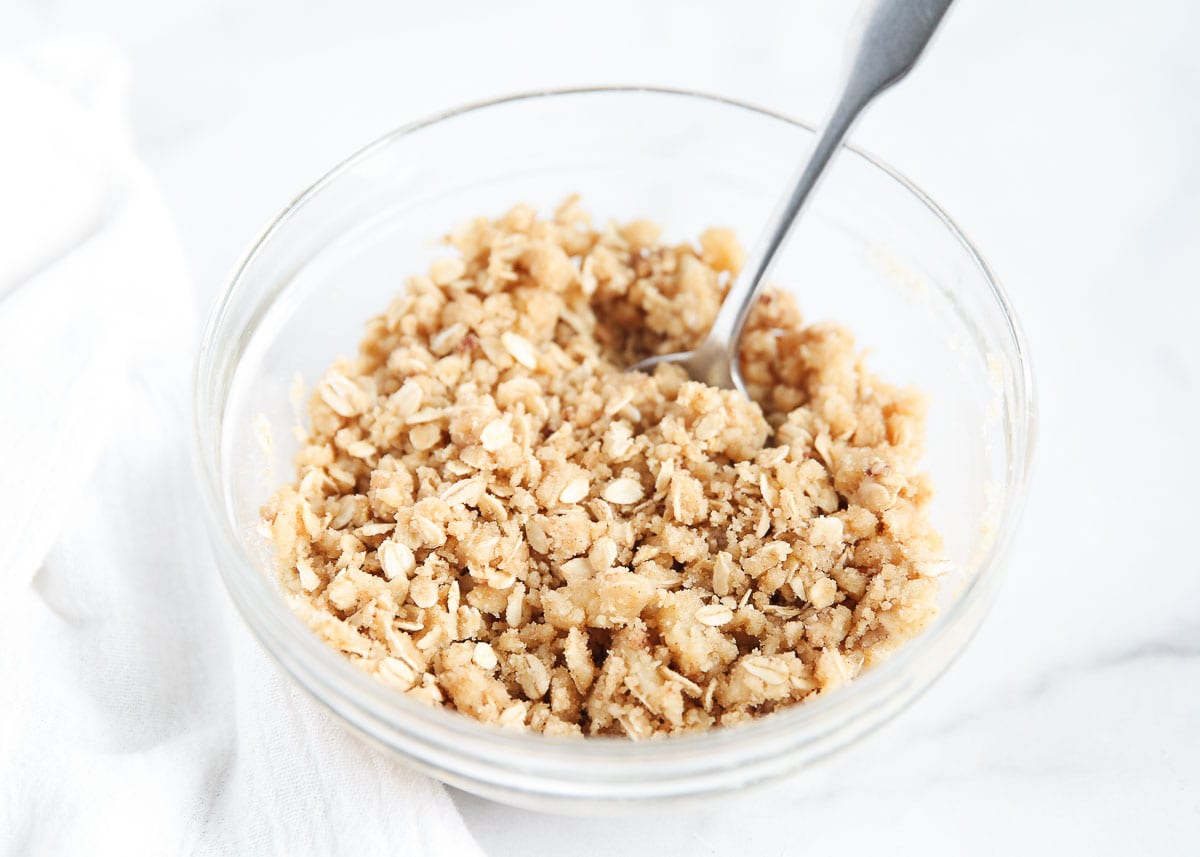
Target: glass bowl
[{"x": 873, "y": 252}]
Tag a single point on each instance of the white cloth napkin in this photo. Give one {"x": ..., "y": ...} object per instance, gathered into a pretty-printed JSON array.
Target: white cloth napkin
[{"x": 138, "y": 716}]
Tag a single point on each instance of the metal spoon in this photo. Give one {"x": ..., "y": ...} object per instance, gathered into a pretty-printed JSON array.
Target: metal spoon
[{"x": 886, "y": 40}]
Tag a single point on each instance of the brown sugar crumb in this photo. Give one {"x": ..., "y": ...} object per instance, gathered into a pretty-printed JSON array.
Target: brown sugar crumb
[{"x": 492, "y": 515}]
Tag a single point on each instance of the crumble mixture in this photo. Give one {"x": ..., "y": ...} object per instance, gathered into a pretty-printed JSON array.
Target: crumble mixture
[{"x": 491, "y": 514}]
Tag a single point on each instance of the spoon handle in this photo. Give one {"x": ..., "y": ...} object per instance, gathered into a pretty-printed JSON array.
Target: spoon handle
[{"x": 886, "y": 40}]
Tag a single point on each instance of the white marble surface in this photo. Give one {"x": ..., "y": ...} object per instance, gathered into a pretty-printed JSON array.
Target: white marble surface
[{"x": 1064, "y": 137}]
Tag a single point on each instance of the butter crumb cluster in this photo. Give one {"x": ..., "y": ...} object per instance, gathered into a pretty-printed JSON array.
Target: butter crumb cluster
[{"x": 491, "y": 514}]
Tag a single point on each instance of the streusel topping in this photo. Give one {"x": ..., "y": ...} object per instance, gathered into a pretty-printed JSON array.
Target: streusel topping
[{"x": 490, "y": 513}]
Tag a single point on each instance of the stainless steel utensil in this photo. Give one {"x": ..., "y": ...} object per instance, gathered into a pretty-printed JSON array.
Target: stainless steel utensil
[{"x": 886, "y": 40}]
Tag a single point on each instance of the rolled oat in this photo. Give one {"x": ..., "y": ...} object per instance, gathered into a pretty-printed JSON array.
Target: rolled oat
[{"x": 491, "y": 514}]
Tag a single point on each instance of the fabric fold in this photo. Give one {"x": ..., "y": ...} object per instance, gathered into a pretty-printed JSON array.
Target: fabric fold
[{"x": 141, "y": 717}]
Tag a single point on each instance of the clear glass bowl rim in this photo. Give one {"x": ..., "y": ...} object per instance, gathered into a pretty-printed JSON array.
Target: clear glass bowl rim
[{"x": 268, "y": 617}]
